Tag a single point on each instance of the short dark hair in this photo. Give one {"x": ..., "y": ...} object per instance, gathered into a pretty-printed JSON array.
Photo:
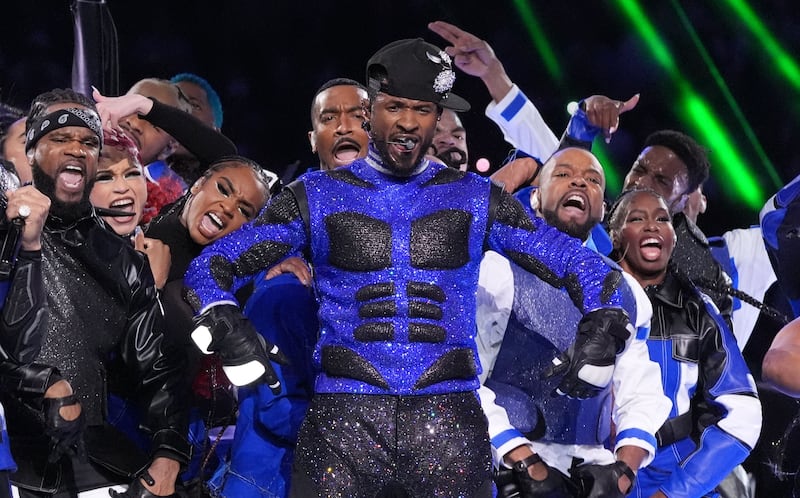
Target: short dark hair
[
  {"x": 56, "y": 96},
  {"x": 332, "y": 83},
  {"x": 693, "y": 155}
]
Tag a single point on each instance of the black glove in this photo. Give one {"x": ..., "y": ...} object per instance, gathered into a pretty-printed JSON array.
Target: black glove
[
  {"x": 239, "y": 346},
  {"x": 602, "y": 481},
  {"x": 517, "y": 483},
  {"x": 589, "y": 363},
  {"x": 506, "y": 483},
  {"x": 137, "y": 489},
  {"x": 65, "y": 435}
]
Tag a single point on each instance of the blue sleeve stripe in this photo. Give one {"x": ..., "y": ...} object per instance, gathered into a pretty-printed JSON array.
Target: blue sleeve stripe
[
  {"x": 505, "y": 436},
  {"x": 642, "y": 333},
  {"x": 638, "y": 434},
  {"x": 514, "y": 107}
]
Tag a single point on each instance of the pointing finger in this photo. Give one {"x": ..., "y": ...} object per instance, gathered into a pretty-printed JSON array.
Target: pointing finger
[{"x": 629, "y": 104}]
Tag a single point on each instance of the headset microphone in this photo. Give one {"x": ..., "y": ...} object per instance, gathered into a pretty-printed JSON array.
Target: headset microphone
[{"x": 406, "y": 142}]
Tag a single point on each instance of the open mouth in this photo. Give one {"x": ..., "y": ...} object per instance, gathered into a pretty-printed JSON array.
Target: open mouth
[
  {"x": 346, "y": 151},
  {"x": 650, "y": 248},
  {"x": 453, "y": 156},
  {"x": 71, "y": 178},
  {"x": 404, "y": 144},
  {"x": 575, "y": 201},
  {"x": 211, "y": 225},
  {"x": 125, "y": 205}
]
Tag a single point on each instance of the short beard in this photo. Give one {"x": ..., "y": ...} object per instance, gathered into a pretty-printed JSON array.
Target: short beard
[
  {"x": 577, "y": 230},
  {"x": 397, "y": 169},
  {"x": 67, "y": 212}
]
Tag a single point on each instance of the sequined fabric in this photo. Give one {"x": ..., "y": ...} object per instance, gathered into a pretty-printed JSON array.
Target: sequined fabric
[
  {"x": 542, "y": 324},
  {"x": 85, "y": 324},
  {"x": 396, "y": 267},
  {"x": 415, "y": 210},
  {"x": 430, "y": 446}
]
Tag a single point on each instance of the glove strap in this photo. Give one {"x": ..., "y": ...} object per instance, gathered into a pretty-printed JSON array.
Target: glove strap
[
  {"x": 137, "y": 490},
  {"x": 628, "y": 472},
  {"x": 57, "y": 403},
  {"x": 147, "y": 478},
  {"x": 522, "y": 465}
]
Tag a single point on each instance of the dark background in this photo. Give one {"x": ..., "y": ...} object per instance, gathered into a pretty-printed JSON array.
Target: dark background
[{"x": 266, "y": 59}]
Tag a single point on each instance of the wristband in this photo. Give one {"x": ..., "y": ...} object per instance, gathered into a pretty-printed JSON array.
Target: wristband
[{"x": 522, "y": 465}]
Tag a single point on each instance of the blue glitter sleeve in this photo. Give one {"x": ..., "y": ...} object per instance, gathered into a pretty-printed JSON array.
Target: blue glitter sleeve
[
  {"x": 227, "y": 264},
  {"x": 555, "y": 257}
]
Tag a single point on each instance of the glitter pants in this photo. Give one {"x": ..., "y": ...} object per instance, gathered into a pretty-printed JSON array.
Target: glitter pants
[{"x": 369, "y": 446}]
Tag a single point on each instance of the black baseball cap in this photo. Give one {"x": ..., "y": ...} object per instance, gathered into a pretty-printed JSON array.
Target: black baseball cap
[{"x": 415, "y": 69}]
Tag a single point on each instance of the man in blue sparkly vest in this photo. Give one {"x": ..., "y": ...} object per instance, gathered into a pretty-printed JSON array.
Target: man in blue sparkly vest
[{"x": 396, "y": 242}]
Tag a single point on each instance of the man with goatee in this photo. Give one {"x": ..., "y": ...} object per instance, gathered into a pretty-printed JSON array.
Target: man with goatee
[{"x": 103, "y": 332}]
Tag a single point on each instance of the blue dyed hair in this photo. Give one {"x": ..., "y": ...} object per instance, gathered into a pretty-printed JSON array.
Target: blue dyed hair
[{"x": 213, "y": 97}]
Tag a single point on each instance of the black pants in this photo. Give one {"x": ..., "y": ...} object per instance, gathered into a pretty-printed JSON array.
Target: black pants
[
  {"x": 368, "y": 446},
  {"x": 78, "y": 476},
  {"x": 5, "y": 485}
]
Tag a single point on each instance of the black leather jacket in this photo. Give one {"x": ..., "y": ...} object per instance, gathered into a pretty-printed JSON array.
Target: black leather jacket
[
  {"x": 103, "y": 333},
  {"x": 681, "y": 317}
]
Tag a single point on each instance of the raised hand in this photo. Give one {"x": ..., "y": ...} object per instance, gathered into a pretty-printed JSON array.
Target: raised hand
[
  {"x": 33, "y": 206},
  {"x": 113, "y": 109},
  {"x": 475, "y": 57},
  {"x": 604, "y": 112},
  {"x": 470, "y": 54},
  {"x": 158, "y": 255}
]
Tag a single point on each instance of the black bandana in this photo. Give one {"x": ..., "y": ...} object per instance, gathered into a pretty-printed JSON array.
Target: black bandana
[{"x": 73, "y": 116}]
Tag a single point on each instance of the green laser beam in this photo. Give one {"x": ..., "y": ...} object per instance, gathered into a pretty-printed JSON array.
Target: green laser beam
[
  {"x": 540, "y": 42},
  {"x": 732, "y": 103},
  {"x": 556, "y": 72},
  {"x": 697, "y": 112},
  {"x": 736, "y": 172},
  {"x": 613, "y": 181},
  {"x": 780, "y": 57},
  {"x": 650, "y": 35}
]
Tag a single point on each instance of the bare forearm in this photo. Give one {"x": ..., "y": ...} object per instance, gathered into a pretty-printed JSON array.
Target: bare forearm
[
  {"x": 779, "y": 370},
  {"x": 633, "y": 456},
  {"x": 778, "y": 366},
  {"x": 164, "y": 472},
  {"x": 497, "y": 82}
]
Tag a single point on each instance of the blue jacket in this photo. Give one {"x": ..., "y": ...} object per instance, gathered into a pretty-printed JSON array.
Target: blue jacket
[{"x": 260, "y": 462}]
